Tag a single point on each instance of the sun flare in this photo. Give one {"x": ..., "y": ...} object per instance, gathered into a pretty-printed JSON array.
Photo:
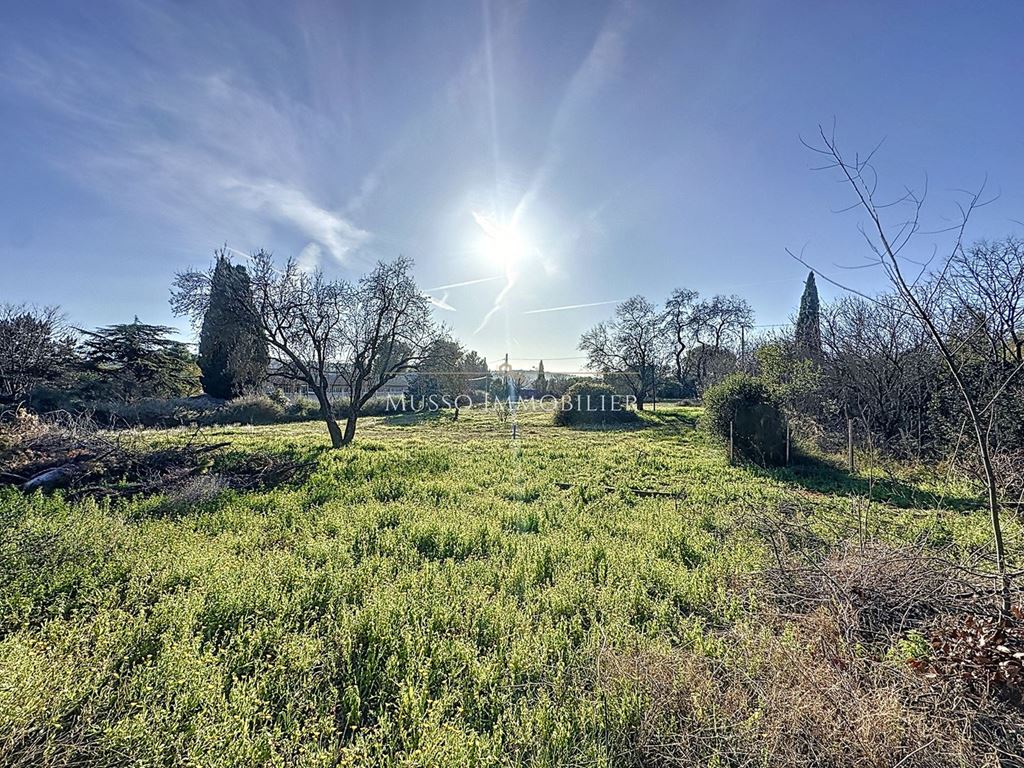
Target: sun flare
[{"x": 504, "y": 245}]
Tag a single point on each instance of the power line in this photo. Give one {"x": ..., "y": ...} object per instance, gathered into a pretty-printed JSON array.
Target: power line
[{"x": 539, "y": 357}]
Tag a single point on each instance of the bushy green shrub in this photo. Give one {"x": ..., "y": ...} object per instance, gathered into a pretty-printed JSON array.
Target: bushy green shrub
[
  {"x": 248, "y": 409},
  {"x": 759, "y": 427},
  {"x": 376, "y": 406},
  {"x": 588, "y": 403},
  {"x": 794, "y": 380},
  {"x": 262, "y": 409},
  {"x": 149, "y": 412},
  {"x": 48, "y": 399},
  {"x": 302, "y": 409}
]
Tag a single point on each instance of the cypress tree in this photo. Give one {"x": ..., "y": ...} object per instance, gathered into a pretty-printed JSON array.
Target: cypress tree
[
  {"x": 808, "y": 322},
  {"x": 540, "y": 386},
  {"x": 233, "y": 356}
]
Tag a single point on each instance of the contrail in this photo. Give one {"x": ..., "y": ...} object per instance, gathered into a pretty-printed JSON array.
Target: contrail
[
  {"x": 460, "y": 285},
  {"x": 498, "y": 302},
  {"x": 571, "y": 306},
  {"x": 441, "y": 303},
  {"x": 501, "y": 236},
  {"x": 237, "y": 252}
]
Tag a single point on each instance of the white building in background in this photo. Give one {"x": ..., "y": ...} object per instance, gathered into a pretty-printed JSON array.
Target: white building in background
[{"x": 396, "y": 386}]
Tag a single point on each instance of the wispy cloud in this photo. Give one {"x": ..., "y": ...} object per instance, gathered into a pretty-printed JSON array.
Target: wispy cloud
[
  {"x": 291, "y": 206},
  {"x": 201, "y": 147}
]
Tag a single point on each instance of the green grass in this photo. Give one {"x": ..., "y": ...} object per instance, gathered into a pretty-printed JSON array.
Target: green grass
[{"x": 427, "y": 596}]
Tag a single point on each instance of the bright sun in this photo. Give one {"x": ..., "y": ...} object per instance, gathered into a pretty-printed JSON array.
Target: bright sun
[{"x": 504, "y": 245}]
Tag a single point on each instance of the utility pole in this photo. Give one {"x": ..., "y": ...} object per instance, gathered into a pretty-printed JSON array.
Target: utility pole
[
  {"x": 506, "y": 369},
  {"x": 849, "y": 437},
  {"x": 787, "y": 442},
  {"x": 654, "y": 390}
]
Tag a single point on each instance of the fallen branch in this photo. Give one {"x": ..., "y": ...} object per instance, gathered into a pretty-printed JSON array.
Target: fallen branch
[{"x": 75, "y": 456}]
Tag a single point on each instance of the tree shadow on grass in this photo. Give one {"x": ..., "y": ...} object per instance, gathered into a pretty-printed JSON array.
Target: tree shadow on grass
[
  {"x": 607, "y": 426},
  {"x": 665, "y": 425},
  {"x": 821, "y": 476},
  {"x": 410, "y": 418}
]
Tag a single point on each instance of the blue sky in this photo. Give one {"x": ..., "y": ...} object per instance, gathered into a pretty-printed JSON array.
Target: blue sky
[{"x": 631, "y": 147}]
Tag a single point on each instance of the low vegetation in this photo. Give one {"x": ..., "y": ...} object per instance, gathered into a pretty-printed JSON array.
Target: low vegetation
[{"x": 439, "y": 594}]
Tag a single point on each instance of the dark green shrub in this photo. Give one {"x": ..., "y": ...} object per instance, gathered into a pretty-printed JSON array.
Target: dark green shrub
[
  {"x": 379, "y": 405},
  {"x": 248, "y": 409},
  {"x": 587, "y": 403},
  {"x": 302, "y": 409},
  {"x": 148, "y": 412},
  {"x": 759, "y": 427},
  {"x": 47, "y": 399}
]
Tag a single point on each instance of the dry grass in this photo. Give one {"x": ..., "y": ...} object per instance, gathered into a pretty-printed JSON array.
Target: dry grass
[{"x": 824, "y": 673}]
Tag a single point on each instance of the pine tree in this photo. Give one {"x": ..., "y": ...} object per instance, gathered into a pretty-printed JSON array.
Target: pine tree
[
  {"x": 233, "y": 357},
  {"x": 136, "y": 360},
  {"x": 540, "y": 385},
  {"x": 808, "y": 322}
]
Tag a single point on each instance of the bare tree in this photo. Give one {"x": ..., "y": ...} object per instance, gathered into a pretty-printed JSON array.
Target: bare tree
[
  {"x": 629, "y": 347},
  {"x": 299, "y": 315},
  {"x": 36, "y": 347},
  {"x": 325, "y": 332},
  {"x": 878, "y": 363},
  {"x": 386, "y": 329},
  {"x": 705, "y": 336},
  {"x": 721, "y": 320},
  {"x": 989, "y": 279},
  {"x": 678, "y": 320},
  {"x": 887, "y": 242}
]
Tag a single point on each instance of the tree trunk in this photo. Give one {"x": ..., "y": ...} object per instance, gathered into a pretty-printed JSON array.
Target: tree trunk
[
  {"x": 984, "y": 452},
  {"x": 350, "y": 424},
  {"x": 992, "y": 488},
  {"x": 328, "y": 416},
  {"x": 888, "y": 256}
]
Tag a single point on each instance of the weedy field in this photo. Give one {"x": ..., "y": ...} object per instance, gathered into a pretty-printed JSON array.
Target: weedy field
[{"x": 440, "y": 595}]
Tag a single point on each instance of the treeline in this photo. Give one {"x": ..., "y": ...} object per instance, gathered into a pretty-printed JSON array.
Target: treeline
[
  {"x": 49, "y": 365},
  {"x": 676, "y": 350},
  {"x": 876, "y": 362},
  {"x": 260, "y": 327},
  {"x": 860, "y": 357},
  {"x": 263, "y": 331}
]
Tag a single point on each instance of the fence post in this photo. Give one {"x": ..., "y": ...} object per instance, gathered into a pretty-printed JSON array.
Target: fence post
[
  {"x": 849, "y": 437},
  {"x": 732, "y": 449},
  {"x": 787, "y": 442}
]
